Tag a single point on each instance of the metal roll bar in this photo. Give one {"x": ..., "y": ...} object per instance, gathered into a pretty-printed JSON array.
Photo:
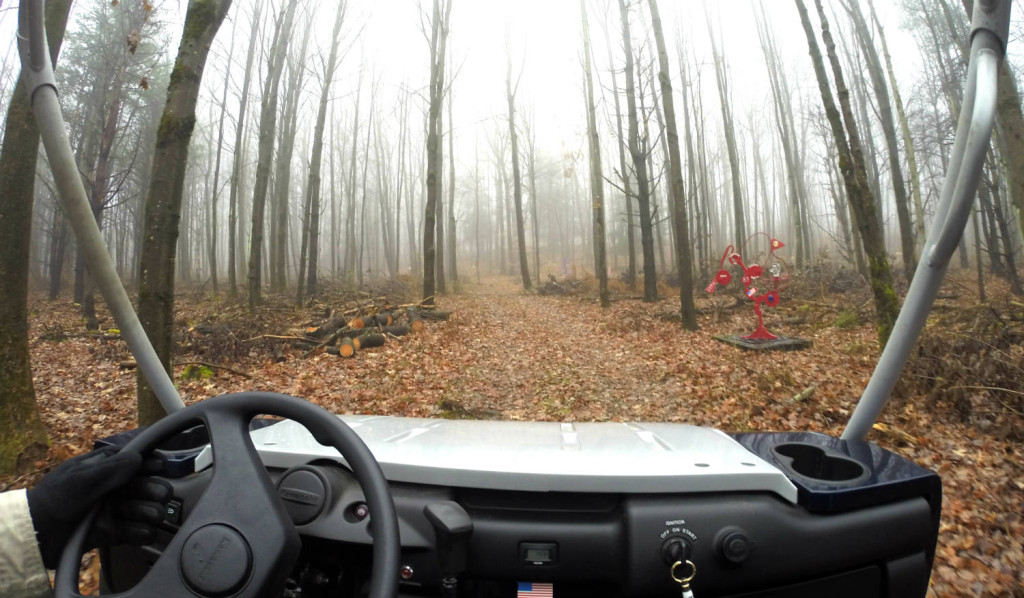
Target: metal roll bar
[
  {"x": 990, "y": 26},
  {"x": 42, "y": 87}
]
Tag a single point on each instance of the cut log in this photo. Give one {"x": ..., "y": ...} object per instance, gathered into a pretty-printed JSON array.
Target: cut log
[
  {"x": 436, "y": 315},
  {"x": 415, "y": 320},
  {"x": 346, "y": 348},
  {"x": 369, "y": 340},
  {"x": 397, "y": 330},
  {"x": 333, "y": 351},
  {"x": 357, "y": 323},
  {"x": 329, "y": 327}
]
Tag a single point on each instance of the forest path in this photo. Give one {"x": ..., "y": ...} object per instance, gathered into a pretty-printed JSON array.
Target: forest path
[{"x": 507, "y": 354}]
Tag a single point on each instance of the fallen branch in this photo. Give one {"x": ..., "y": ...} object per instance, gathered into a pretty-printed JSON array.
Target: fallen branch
[{"x": 804, "y": 394}]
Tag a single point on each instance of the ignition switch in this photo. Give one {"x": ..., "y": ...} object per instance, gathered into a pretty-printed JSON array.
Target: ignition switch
[{"x": 675, "y": 549}]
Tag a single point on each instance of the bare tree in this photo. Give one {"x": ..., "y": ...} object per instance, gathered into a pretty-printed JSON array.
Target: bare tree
[
  {"x": 267, "y": 128},
  {"x": 517, "y": 183},
  {"x": 681, "y": 225},
  {"x": 878, "y": 81},
  {"x": 596, "y": 176},
  {"x": 725, "y": 102},
  {"x": 851, "y": 163},
  {"x": 163, "y": 202},
  {"x": 438, "y": 45},
  {"x": 639, "y": 155},
  {"x": 238, "y": 160},
  {"x": 311, "y": 212}
]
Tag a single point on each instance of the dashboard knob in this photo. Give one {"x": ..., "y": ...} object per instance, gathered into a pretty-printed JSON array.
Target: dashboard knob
[{"x": 734, "y": 545}]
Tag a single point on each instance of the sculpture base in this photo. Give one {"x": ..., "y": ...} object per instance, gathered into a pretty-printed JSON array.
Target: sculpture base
[{"x": 781, "y": 343}]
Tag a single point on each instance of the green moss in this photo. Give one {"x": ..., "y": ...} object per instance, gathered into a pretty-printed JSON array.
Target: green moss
[
  {"x": 197, "y": 372},
  {"x": 846, "y": 319},
  {"x": 201, "y": 14},
  {"x": 21, "y": 443},
  {"x": 173, "y": 129}
]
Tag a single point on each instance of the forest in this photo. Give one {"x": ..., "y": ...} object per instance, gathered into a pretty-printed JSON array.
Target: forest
[{"x": 528, "y": 203}]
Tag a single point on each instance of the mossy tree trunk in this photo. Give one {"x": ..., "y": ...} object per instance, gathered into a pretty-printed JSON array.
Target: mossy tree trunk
[
  {"x": 163, "y": 202},
  {"x": 22, "y": 434},
  {"x": 851, "y": 165}
]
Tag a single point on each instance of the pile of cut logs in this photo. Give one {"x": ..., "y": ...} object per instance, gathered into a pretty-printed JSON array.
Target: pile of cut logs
[{"x": 345, "y": 335}]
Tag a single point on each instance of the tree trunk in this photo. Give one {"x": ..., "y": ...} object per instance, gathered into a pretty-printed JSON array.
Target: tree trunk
[
  {"x": 22, "y": 434},
  {"x": 878, "y": 81},
  {"x": 215, "y": 195},
  {"x": 908, "y": 141},
  {"x": 681, "y": 225},
  {"x": 267, "y": 128},
  {"x": 311, "y": 228},
  {"x": 851, "y": 164},
  {"x": 623, "y": 173},
  {"x": 639, "y": 155},
  {"x": 163, "y": 202},
  {"x": 725, "y": 100},
  {"x": 596, "y": 177},
  {"x": 239, "y": 156},
  {"x": 517, "y": 183},
  {"x": 451, "y": 240},
  {"x": 438, "y": 43},
  {"x": 283, "y": 168}
]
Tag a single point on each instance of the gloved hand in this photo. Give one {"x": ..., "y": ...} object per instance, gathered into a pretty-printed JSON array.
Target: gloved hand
[{"x": 68, "y": 493}]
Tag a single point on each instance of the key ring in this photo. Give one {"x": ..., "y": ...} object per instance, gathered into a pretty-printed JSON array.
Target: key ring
[{"x": 683, "y": 579}]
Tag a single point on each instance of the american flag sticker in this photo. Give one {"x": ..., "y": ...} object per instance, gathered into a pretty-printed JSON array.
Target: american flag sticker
[{"x": 535, "y": 590}]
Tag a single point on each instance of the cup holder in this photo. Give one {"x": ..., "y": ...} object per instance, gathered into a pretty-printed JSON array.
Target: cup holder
[{"x": 816, "y": 464}]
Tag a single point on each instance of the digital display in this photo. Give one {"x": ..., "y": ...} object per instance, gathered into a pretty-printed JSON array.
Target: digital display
[{"x": 538, "y": 555}]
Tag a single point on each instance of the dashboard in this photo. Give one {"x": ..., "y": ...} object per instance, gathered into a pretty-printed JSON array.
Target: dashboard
[{"x": 601, "y": 509}]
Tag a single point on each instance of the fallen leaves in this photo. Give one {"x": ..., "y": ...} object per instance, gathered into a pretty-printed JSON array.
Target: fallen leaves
[{"x": 505, "y": 355}]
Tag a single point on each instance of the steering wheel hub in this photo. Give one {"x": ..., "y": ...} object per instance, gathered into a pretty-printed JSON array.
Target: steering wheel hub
[{"x": 215, "y": 561}]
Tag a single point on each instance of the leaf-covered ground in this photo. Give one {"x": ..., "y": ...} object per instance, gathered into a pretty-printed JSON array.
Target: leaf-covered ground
[{"x": 507, "y": 355}]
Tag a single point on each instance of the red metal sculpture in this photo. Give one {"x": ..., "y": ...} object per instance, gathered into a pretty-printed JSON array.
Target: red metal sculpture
[{"x": 776, "y": 281}]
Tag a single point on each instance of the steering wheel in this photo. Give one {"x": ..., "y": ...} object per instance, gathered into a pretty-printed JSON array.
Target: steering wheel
[{"x": 238, "y": 541}]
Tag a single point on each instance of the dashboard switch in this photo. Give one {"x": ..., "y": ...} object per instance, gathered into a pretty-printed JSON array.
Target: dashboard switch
[{"x": 734, "y": 545}]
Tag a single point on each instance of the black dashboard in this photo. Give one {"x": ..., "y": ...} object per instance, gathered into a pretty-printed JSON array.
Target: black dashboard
[{"x": 864, "y": 523}]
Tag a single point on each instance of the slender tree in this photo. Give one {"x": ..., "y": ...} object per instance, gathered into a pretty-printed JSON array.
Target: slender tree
[
  {"x": 267, "y": 128},
  {"x": 163, "y": 202},
  {"x": 638, "y": 152},
  {"x": 517, "y": 183},
  {"x": 596, "y": 176},
  {"x": 878, "y": 81},
  {"x": 681, "y": 225},
  {"x": 725, "y": 102},
  {"x": 438, "y": 44},
  {"x": 851, "y": 164},
  {"x": 22, "y": 434},
  {"x": 311, "y": 220},
  {"x": 238, "y": 160}
]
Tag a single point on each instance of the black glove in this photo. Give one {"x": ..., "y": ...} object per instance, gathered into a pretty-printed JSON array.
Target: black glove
[{"x": 68, "y": 493}]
